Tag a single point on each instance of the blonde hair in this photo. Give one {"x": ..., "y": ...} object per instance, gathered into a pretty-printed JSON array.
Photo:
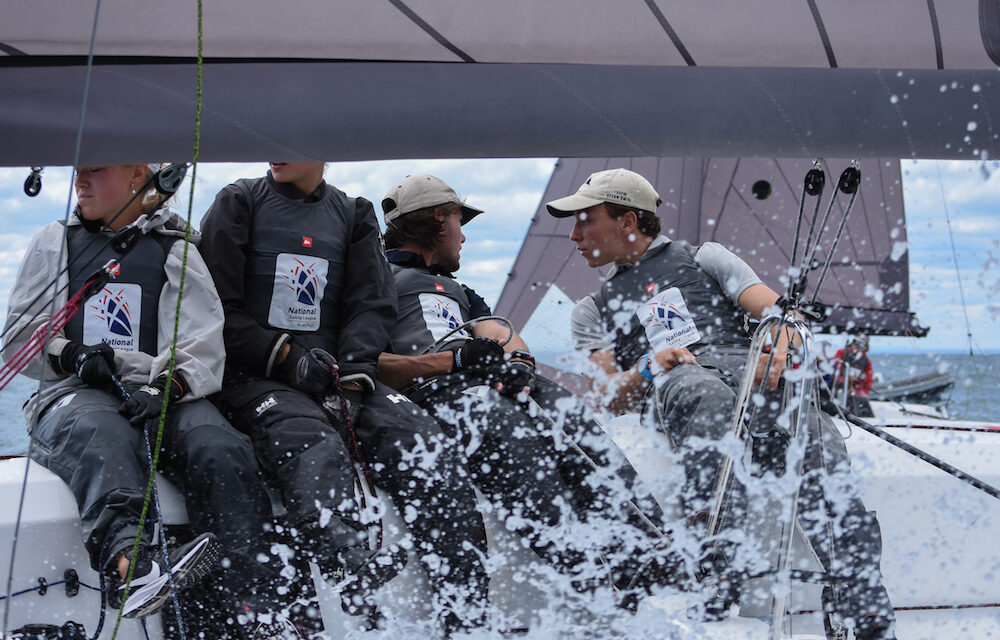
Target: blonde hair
[{"x": 153, "y": 199}]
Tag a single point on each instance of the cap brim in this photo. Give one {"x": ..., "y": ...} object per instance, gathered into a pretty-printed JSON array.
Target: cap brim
[
  {"x": 565, "y": 207},
  {"x": 468, "y": 213}
]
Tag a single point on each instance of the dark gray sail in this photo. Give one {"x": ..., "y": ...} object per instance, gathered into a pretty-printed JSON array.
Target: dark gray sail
[
  {"x": 329, "y": 80},
  {"x": 749, "y": 205}
]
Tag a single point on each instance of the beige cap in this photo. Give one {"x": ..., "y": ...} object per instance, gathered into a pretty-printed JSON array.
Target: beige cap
[
  {"x": 617, "y": 186},
  {"x": 421, "y": 191}
]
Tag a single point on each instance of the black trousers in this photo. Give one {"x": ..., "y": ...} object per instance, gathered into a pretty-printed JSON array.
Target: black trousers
[
  {"x": 547, "y": 468},
  {"x": 302, "y": 451},
  {"x": 103, "y": 459}
]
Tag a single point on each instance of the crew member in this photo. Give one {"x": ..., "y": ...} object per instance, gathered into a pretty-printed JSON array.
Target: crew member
[
  {"x": 309, "y": 304},
  {"x": 90, "y": 433},
  {"x": 664, "y": 337}
]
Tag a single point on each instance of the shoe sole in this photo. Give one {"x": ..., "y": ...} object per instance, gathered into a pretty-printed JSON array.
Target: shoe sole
[{"x": 195, "y": 564}]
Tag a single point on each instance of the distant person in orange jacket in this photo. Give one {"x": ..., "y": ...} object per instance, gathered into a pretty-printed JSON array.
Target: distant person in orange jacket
[{"x": 858, "y": 367}]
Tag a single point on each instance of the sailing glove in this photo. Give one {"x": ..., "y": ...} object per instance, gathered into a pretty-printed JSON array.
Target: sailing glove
[
  {"x": 94, "y": 365},
  {"x": 517, "y": 374},
  {"x": 310, "y": 371},
  {"x": 146, "y": 402},
  {"x": 478, "y": 354}
]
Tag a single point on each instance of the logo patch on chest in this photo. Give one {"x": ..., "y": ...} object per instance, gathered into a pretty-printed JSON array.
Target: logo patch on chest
[
  {"x": 113, "y": 316},
  {"x": 299, "y": 284},
  {"x": 307, "y": 241},
  {"x": 667, "y": 321},
  {"x": 441, "y": 315}
]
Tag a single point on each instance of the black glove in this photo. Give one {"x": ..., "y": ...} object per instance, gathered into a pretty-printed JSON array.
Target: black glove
[
  {"x": 517, "y": 373},
  {"x": 309, "y": 371},
  {"x": 146, "y": 402},
  {"x": 478, "y": 353},
  {"x": 95, "y": 365}
]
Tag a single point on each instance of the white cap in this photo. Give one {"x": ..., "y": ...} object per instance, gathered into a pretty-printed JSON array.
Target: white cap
[
  {"x": 617, "y": 186},
  {"x": 421, "y": 191}
]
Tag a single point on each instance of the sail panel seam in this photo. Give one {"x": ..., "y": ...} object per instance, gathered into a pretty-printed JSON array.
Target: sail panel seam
[
  {"x": 429, "y": 30},
  {"x": 821, "y": 28},
  {"x": 936, "y": 30},
  {"x": 669, "y": 30}
]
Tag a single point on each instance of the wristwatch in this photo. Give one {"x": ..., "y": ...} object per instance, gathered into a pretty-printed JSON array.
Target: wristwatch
[{"x": 642, "y": 366}]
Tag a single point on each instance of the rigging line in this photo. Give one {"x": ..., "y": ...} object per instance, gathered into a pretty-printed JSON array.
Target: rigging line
[
  {"x": 725, "y": 198},
  {"x": 961, "y": 290},
  {"x": 52, "y": 306},
  {"x": 760, "y": 217},
  {"x": 431, "y": 31},
  {"x": 669, "y": 30},
  {"x": 172, "y": 363}
]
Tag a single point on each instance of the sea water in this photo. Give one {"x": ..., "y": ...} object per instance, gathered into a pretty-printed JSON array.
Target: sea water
[{"x": 976, "y": 395}]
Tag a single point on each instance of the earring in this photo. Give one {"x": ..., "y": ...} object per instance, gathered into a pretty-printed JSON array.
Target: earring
[{"x": 132, "y": 187}]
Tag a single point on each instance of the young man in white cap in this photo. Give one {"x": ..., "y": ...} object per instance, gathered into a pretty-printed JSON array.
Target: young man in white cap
[
  {"x": 534, "y": 466},
  {"x": 665, "y": 335}
]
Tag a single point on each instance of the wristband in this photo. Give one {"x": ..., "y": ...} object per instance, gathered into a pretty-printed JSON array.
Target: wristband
[
  {"x": 642, "y": 366},
  {"x": 520, "y": 354}
]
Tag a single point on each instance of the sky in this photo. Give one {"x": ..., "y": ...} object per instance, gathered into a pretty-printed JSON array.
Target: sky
[{"x": 965, "y": 192}]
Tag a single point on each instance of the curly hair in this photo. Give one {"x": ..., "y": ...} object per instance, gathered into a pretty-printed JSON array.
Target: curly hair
[
  {"x": 647, "y": 222},
  {"x": 421, "y": 228}
]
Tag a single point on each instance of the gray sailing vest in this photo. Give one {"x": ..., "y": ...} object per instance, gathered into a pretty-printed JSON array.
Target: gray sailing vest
[
  {"x": 428, "y": 307},
  {"x": 667, "y": 300},
  {"x": 295, "y": 262},
  {"x": 125, "y": 314}
]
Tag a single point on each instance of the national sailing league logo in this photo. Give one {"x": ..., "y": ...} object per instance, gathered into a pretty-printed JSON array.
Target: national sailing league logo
[
  {"x": 447, "y": 315},
  {"x": 113, "y": 316},
  {"x": 297, "y": 297},
  {"x": 113, "y": 309},
  {"x": 670, "y": 313},
  {"x": 304, "y": 282}
]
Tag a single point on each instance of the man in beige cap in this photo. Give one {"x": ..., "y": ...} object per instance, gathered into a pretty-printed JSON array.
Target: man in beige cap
[
  {"x": 665, "y": 335},
  {"x": 446, "y": 342}
]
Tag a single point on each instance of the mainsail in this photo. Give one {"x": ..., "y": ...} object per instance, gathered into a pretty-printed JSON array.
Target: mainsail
[
  {"x": 348, "y": 80},
  {"x": 749, "y": 205}
]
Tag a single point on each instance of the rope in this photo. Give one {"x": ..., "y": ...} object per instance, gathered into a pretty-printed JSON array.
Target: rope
[
  {"x": 961, "y": 290},
  {"x": 52, "y": 305},
  {"x": 171, "y": 366}
]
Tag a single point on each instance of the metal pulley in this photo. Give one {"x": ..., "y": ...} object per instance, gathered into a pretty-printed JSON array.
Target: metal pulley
[
  {"x": 168, "y": 179},
  {"x": 815, "y": 181},
  {"x": 33, "y": 184},
  {"x": 850, "y": 180}
]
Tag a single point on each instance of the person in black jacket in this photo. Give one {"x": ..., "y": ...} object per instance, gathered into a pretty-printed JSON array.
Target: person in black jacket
[{"x": 309, "y": 304}]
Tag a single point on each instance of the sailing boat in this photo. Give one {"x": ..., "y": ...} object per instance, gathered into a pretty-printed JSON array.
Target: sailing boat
[{"x": 484, "y": 79}]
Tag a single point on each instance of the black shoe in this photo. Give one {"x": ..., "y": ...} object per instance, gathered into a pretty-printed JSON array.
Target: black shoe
[
  {"x": 151, "y": 585},
  {"x": 360, "y": 572},
  {"x": 875, "y": 626}
]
